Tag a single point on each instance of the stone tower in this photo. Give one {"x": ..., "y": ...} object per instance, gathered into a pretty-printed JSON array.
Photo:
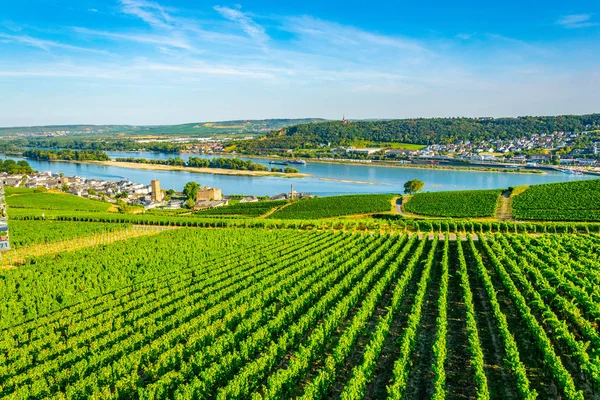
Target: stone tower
[{"x": 157, "y": 195}]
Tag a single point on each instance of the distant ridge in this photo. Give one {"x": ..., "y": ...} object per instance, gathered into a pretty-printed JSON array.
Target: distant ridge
[{"x": 193, "y": 129}]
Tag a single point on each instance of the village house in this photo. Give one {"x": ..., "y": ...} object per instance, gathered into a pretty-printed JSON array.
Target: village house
[
  {"x": 208, "y": 194},
  {"x": 204, "y": 204}
]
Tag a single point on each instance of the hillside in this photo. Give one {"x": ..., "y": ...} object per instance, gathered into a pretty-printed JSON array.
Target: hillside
[
  {"x": 191, "y": 129},
  {"x": 418, "y": 131}
]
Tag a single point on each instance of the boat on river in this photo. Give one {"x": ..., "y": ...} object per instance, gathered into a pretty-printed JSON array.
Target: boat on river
[{"x": 297, "y": 162}]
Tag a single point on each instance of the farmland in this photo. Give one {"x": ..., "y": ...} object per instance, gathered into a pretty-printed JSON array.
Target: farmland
[
  {"x": 571, "y": 201},
  {"x": 459, "y": 204},
  {"x": 316, "y": 314},
  {"x": 335, "y": 206}
]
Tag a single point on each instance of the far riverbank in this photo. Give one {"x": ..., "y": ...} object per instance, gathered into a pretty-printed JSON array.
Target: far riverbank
[{"x": 394, "y": 164}]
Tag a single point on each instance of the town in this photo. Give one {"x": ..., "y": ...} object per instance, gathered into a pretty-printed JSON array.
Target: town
[{"x": 135, "y": 194}]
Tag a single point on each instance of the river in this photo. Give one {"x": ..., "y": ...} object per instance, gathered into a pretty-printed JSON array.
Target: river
[{"x": 327, "y": 178}]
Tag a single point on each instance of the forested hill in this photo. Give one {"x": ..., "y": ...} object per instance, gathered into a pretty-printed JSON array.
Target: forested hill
[{"x": 419, "y": 131}]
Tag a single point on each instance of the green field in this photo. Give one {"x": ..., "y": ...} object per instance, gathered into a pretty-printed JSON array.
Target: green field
[
  {"x": 457, "y": 204},
  {"x": 321, "y": 314},
  {"x": 570, "y": 201},
  {"x": 335, "y": 206}
]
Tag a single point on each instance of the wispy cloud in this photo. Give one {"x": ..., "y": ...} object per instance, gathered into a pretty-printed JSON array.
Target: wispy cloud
[
  {"x": 465, "y": 36},
  {"x": 170, "y": 41},
  {"x": 576, "y": 21},
  {"x": 204, "y": 69},
  {"x": 150, "y": 12},
  {"x": 344, "y": 35},
  {"x": 247, "y": 24},
  {"x": 47, "y": 45},
  {"x": 519, "y": 44}
]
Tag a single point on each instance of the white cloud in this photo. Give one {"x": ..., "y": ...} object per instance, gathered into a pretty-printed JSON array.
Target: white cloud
[
  {"x": 576, "y": 21},
  {"x": 252, "y": 29}
]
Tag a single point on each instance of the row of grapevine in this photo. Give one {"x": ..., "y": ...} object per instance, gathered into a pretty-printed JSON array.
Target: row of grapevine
[
  {"x": 235, "y": 313},
  {"x": 407, "y": 345},
  {"x": 377, "y": 222},
  {"x": 318, "y": 388},
  {"x": 363, "y": 373},
  {"x": 439, "y": 347},
  {"x": 477, "y": 362},
  {"x": 551, "y": 359},
  {"x": 513, "y": 359}
]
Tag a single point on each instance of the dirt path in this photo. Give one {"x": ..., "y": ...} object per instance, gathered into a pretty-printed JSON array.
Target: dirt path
[
  {"x": 273, "y": 210},
  {"x": 504, "y": 210},
  {"x": 14, "y": 258}
]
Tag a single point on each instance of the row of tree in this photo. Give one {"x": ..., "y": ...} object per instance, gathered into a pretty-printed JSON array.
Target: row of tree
[
  {"x": 96, "y": 144},
  {"x": 16, "y": 167},
  {"x": 67, "y": 155}
]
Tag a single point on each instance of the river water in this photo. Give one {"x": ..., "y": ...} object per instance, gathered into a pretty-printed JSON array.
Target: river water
[{"x": 326, "y": 179}]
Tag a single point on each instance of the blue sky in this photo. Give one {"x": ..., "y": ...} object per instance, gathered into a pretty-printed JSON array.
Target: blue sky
[{"x": 167, "y": 61}]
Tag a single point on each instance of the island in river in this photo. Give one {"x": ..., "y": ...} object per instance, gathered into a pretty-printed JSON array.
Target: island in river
[{"x": 216, "y": 171}]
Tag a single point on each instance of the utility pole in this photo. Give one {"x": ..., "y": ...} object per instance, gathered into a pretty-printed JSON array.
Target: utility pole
[{"x": 292, "y": 192}]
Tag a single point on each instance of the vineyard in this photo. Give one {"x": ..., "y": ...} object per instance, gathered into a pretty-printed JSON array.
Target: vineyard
[
  {"x": 245, "y": 209},
  {"x": 334, "y": 206},
  {"x": 458, "y": 204},
  {"x": 571, "y": 201},
  {"x": 27, "y": 233},
  {"x": 28, "y": 198},
  {"x": 237, "y": 313}
]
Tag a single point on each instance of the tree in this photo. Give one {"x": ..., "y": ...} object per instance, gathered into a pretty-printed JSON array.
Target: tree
[
  {"x": 189, "y": 203},
  {"x": 413, "y": 186},
  {"x": 191, "y": 190},
  {"x": 65, "y": 187}
]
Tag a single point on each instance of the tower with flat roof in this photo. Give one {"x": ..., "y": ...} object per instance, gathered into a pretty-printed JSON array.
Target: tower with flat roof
[{"x": 157, "y": 195}]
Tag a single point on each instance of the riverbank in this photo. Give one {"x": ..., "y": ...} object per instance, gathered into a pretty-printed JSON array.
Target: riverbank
[
  {"x": 212, "y": 171},
  {"x": 395, "y": 164}
]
